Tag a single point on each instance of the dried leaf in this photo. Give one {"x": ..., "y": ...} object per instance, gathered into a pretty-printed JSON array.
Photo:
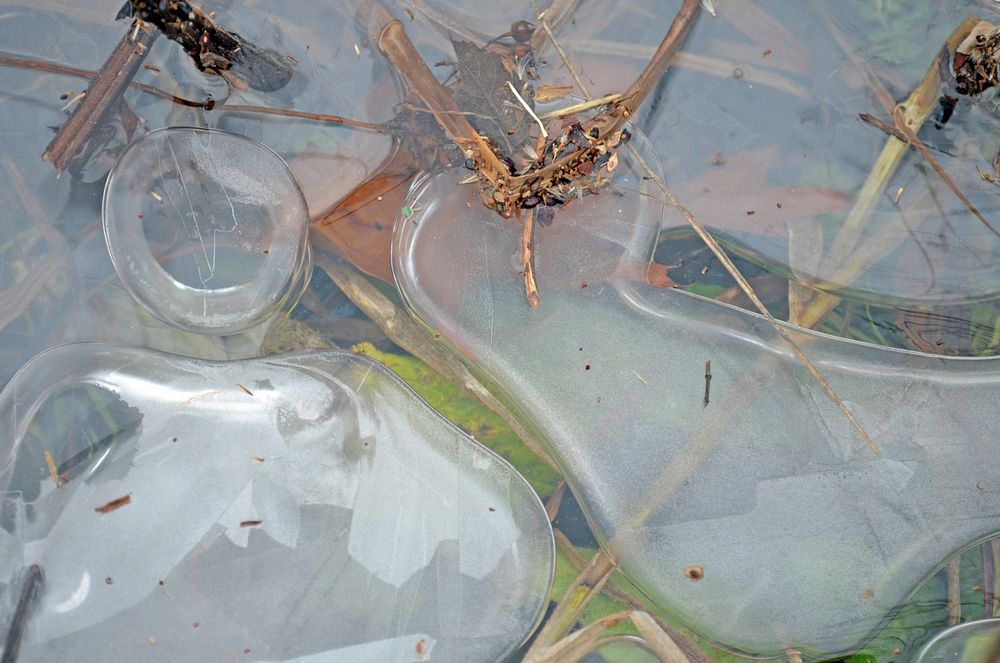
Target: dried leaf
[
  {"x": 360, "y": 225},
  {"x": 722, "y": 196},
  {"x": 498, "y": 113},
  {"x": 546, "y": 93},
  {"x": 658, "y": 639}
]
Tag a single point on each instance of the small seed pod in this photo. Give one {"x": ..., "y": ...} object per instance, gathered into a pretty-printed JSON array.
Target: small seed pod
[
  {"x": 521, "y": 31},
  {"x": 544, "y": 216}
]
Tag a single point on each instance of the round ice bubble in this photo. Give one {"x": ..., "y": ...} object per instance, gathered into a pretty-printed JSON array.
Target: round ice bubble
[
  {"x": 966, "y": 642},
  {"x": 208, "y": 230}
]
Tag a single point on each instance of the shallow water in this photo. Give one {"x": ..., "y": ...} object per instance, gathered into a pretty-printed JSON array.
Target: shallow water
[{"x": 760, "y": 110}]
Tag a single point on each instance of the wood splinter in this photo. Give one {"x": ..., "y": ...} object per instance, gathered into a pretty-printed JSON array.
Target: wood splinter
[
  {"x": 30, "y": 587},
  {"x": 708, "y": 379},
  {"x": 114, "y": 504},
  {"x": 528, "y": 259}
]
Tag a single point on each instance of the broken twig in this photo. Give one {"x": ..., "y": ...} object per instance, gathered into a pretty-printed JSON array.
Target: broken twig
[
  {"x": 708, "y": 379},
  {"x": 528, "y": 259},
  {"x": 101, "y": 97},
  {"x": 15, "y": 633}
]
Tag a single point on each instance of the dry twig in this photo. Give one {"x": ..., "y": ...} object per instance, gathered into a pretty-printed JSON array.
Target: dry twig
[
  {"x": 911, "y": 114},
  {"x": 528, "y": 259},
  {"x": 101, "y": 97}
]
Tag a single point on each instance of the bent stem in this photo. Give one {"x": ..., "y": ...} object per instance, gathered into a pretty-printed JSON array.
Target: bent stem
[
  {"x": 615, "y": 592},
  {"x": 396, "y": 46},
  {"x": 574, "y": 647},
  {"x": 586, "y": 586},
  {"x": 911, "y": 114},
  {"x": 409, "y": 335},
  {"x": 577, "y": 645},
  {"x": 208, "y": 105},
  {"x": 748, "y": 290}
]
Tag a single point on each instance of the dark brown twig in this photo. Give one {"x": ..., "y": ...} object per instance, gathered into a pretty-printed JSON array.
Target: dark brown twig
[
  {"x": 29, "y": 592},
  {"x": 396, "y": 46},
  {"x": 911, "y": 137},
  {"x": 101, "y": 97},
  {"x": 208, "y": 104},
  {"x": 114, "y": 504},
  {"x": 213, "y": 48},
  {"x": 995, "y": 549},
  {"x": 319, "y": 117},
  {"x": 56, "y": 68},
  {"x": 884, "y": 126},
  {"x": 708, "y": 380}
]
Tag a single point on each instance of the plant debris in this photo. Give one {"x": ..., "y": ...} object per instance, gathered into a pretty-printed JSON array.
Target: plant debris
[
  {"x": 211, "y": 47},
  {"x": 516, "y": 172},
  {"x": 52, "y": 469},
  {"x": 975, "y": 61},
  {"x": 30, "y": 587},
  {"x": 484, "y": 92},
  {"x": 114, "y": 504}
]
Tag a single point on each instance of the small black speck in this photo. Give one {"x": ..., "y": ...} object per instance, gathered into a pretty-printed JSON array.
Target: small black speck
[
  {"x": 108, "y": 581},
  {"x": 586, "y": 367}
]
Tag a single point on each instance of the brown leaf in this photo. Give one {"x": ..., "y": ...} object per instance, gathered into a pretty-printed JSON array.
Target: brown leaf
[
  {"x": 498, "y": 113},
  {"x": 721, "y": 196},
  {"x": 360, "y": 225},
  {"x": 546, "y": 93}
]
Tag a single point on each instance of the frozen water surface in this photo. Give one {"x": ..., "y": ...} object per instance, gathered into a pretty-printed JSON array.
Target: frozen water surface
[
  {"x": 806, "y": 538},
  {"x": 207, "y": 229},
  {"x": 303, "y": 508}
]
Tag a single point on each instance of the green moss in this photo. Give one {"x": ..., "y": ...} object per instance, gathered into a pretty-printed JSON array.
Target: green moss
[{"x": 466, "y": 413}]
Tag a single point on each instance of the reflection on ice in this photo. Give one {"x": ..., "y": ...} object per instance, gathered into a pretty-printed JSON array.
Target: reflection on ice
[
  {"x": 806, "y": 538},
  {"x": 292, "y": 507}
]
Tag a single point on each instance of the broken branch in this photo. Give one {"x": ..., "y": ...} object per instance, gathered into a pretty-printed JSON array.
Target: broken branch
[{"x": 101, "y": 97}]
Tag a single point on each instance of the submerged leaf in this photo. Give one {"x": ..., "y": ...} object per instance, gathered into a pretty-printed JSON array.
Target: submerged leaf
[
  {"x": 484, "y": 92},
  {"x": 482, "y": 424}
]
